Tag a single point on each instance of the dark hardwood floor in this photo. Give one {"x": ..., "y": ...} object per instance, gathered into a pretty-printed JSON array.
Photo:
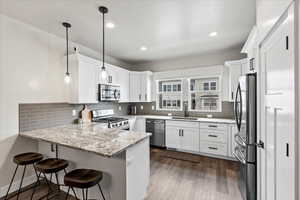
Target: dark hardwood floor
[{"x": 181, "y": 176}]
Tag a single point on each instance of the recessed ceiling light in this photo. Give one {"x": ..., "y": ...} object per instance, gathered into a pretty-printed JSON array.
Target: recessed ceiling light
[
  {"x": 213, "y": 34},
  {"x": 110, "y": 25},
  {"x": 143, "y": 48}
]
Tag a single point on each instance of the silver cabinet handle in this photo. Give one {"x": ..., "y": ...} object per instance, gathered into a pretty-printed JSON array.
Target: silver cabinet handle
[
  {"x": 140, "y": 96},
  {"x": 212, "y": 126},
  {"x": 215, "y": 136},
  {"x": 213, "y": 148},
  {"x": 182, "y": 131},
  {"x": 179, "y": 132},
  {"x": 145, "y": 97}
]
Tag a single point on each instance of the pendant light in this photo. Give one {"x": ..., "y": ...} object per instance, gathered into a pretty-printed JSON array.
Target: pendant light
[
  {"x": 67, "y": 75},
  {"x": 103, "y": 73}
]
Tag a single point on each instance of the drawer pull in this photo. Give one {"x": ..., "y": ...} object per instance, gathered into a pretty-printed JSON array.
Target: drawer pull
[
  {"x": 212, "y": 126},
  {"x": 215, "y": 136},
  {"x": 213, "y": 148}
]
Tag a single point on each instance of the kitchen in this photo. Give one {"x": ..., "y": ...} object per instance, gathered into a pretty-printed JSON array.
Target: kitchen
[{"x": 148, "y": 106}]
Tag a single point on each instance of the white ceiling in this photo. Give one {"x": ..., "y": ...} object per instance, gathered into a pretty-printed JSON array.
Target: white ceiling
[{"x": 169, "y": 28}]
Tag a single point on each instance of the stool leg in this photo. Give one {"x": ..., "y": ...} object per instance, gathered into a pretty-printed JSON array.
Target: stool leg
[
  {"x": 57, "y": 182},
  {"x": 83, "y": 194},
  {"x": 11, "y": 182},
  {"x": 36, "y": 184},
  {"x": 74, "y": 192},
  {"x": 101, "y": 191},
  {"x": 87, "y": 198},
  {"x": 68, "y": 193},
  {"x": 38, "y": 180},
  {"x": 21, "y": 182}
]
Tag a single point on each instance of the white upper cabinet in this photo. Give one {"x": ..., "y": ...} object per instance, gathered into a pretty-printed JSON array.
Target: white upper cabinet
[
  {"x": 140, "y": 86},
  {"x": 84, "y": 76},
  {"x": 235, "y": 71}
]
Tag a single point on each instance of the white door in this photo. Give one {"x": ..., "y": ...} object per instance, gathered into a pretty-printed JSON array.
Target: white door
[
  {"x": 190, "y": 139},
  {"x": 278, "y": 113},
  {"x": 173, "y": 137}
]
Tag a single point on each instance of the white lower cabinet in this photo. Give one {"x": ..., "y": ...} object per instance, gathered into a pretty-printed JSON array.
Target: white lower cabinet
[
  {"x": 207, "y": 138},
  {"x": 140, "y": 124},
  {"x": 183, "y": 136},
  {"x": 213, "y": 148}
]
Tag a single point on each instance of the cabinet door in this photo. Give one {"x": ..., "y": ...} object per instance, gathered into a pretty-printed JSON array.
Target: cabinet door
[
  {"x": 123, "y": 81},
  {"x": 87, "y": 83},
  {"x": 145, "y": 84},
  {"x": 235, "y": 71},
  {"x": 140, "y": 125},
  {"x": 172, "y": 137},
  {"x": 190, "y": 139},
  {"x": 135, "y": 87}
]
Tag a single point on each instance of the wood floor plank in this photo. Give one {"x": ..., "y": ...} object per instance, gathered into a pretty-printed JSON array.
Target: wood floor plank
[{"x": 183, "y": 176}]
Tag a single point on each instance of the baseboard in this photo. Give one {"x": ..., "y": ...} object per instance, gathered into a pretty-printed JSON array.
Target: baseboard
[{"x": 15, "y": 185}]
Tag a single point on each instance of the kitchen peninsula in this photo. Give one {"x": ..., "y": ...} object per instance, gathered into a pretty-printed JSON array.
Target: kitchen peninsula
[{"x": 123, "y": 156}]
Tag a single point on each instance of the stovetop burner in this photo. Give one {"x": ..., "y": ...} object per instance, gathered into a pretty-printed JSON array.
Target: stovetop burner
[{"x": 106, "y": 116}]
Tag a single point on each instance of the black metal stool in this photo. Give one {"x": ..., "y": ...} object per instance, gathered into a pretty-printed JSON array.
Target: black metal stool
[
  {"x": 51, "y": 166},
  {"x": 24, "y": 159},
  {"x": 83, "y": 179}
]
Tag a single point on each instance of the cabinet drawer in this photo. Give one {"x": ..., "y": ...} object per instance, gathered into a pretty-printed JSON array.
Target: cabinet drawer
[
  {"x": 213, "y": 136},
  {"x": 182, "y": 124},
  {"x": 213, "y": 126},
  {"x": 213, "y": 148}
]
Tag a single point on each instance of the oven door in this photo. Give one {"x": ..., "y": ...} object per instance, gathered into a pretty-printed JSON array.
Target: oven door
[{"x": 109, "y": 93}]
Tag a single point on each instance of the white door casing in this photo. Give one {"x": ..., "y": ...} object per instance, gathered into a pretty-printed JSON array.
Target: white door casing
[{"x": 278, "y": 111}]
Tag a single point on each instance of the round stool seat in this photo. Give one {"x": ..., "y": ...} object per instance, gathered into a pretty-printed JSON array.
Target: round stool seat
[
  {"x": 83, "y": 178},
  {"x": 27, "y": 158},
  {"x": 51, "y": 165}
]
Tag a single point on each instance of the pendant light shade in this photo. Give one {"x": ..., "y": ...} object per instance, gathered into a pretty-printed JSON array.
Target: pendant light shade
[
  {"x": 67, "y": 75},
  {"x": 103, "y": 73}
]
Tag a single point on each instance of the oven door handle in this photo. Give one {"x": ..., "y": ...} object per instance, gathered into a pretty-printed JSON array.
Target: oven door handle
[
  {"x": 238, "y": 157},
  {"x": 238, "y": 139}
]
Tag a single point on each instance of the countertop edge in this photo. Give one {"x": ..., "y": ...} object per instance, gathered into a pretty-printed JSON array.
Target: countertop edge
[{"x": 100, "y": 154}]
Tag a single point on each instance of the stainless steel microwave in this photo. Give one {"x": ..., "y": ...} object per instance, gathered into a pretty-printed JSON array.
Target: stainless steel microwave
[{"x": 109, "y": 92}]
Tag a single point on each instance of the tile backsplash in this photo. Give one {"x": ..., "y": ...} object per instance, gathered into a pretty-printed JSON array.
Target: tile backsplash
[
  {"x": 227, "y": 111},
  {"x": 35, "y": 116}
]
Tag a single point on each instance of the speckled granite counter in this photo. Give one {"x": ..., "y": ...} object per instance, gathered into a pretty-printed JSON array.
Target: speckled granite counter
[{"x": 88, "y": 137}]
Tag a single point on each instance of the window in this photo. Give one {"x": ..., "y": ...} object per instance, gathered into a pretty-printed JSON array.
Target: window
[
  {"x": 169, "y": 95},
  {"x": 204, "y": 95}
]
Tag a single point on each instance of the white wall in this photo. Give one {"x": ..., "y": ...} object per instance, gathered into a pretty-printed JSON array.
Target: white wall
[
  {"x": 195, "y": 61},
  {"x": 31, "y": 71}
]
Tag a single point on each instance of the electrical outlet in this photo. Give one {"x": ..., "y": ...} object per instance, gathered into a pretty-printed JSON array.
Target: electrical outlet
[
  {"x": 153, "y": 107},
  {"x": 120, "y": 108},
  {"x": 74, "y": 112},
  {"x": 142, "y": 107}
]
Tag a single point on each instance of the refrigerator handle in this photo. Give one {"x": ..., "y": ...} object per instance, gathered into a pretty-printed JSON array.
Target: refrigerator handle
[
  {"x": 241, "y": 106},
  {"x": 236, "y": 108}
]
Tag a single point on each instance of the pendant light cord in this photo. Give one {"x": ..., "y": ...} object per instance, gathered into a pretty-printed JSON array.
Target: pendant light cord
[
  {"x": 103, "y": 45},
  {"x": 67, "y": 46}
]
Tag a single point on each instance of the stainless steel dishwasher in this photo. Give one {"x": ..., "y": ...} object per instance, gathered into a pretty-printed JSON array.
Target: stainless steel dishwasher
[{"x": 157, "y": 128}]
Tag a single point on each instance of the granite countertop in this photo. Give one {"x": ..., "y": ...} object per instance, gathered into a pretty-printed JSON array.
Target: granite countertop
[
  {"x": 212, "y": 120},
  {"x": 92, "y": 137}
]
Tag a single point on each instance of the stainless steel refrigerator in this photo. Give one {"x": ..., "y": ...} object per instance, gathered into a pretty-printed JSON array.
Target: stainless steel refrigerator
[{"x": 245, "y": 140}]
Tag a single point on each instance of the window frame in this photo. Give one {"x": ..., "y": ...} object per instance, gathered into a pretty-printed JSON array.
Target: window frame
[
  {"x": 219, "y": 91},
  {"x": 158, "y": 93}
]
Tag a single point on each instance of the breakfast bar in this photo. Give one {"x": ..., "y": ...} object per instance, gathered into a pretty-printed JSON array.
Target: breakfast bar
[{"x": 122, "y": 155}]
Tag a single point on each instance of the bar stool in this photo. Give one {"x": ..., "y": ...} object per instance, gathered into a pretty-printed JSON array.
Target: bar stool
[
  {"x": 51, "y": 166},
  {"x": 24, "y": 159},
  {"x": 83, "y": 179}
]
